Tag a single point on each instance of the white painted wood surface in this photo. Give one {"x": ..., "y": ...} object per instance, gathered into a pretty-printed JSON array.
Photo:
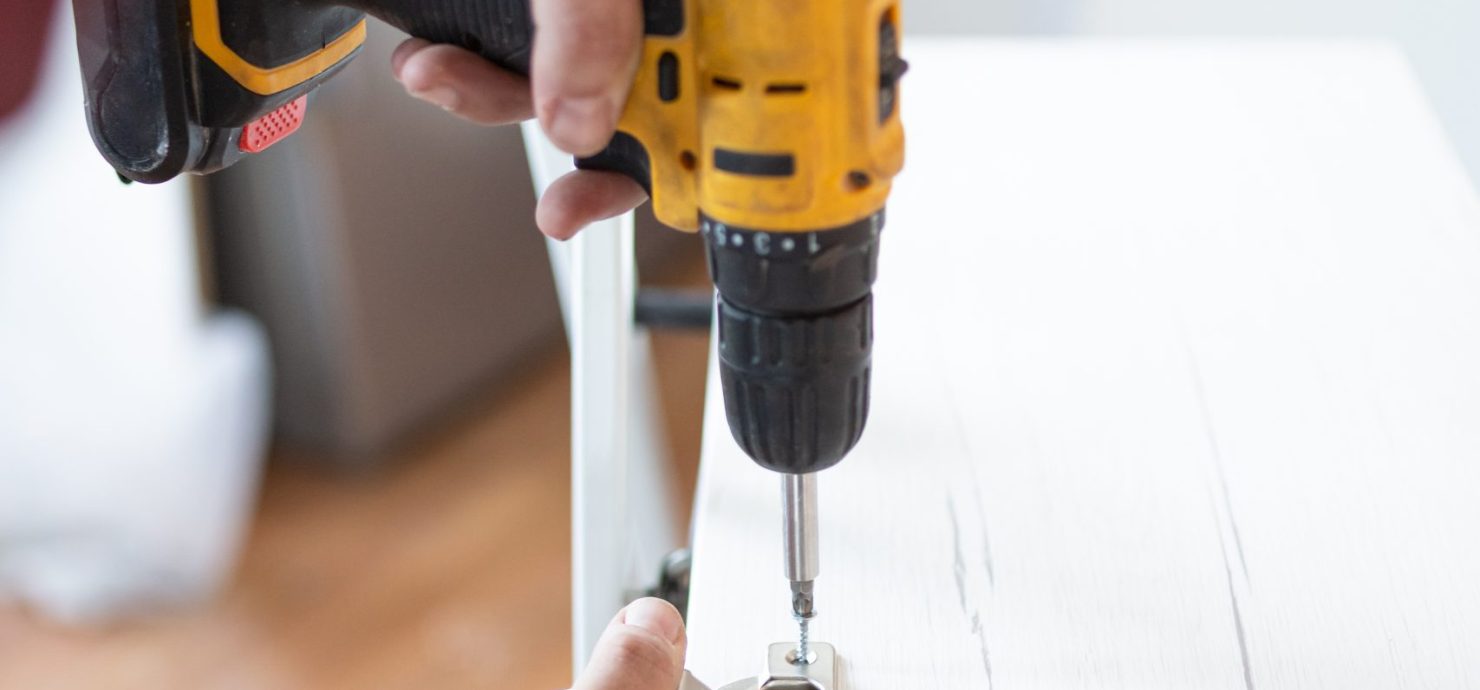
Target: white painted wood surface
[{"x": 1177, "y": 385}]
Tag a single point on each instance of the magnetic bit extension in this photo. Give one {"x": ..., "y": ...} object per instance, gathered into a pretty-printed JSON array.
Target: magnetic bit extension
[{"x": 799, "y": 538}]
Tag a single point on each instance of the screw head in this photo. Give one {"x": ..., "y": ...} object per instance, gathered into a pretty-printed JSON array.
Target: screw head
[{"x": 795, "y": 658}]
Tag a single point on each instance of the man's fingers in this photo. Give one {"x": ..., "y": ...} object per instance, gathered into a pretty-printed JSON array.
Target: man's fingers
[
  {"x": 462, "y": 83},
  {"x": 585, "y": 54},
  {"x": 407, "y": 48},
  {"x": 642, "y": 649},
  {"x": 584, "y": 197}
]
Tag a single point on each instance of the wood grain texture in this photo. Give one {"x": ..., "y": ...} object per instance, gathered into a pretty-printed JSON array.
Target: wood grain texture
[{"x": 1177, "y": 385}]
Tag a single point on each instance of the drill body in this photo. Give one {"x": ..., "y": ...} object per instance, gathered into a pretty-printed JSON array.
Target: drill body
[{"x": 769, "y": 126}]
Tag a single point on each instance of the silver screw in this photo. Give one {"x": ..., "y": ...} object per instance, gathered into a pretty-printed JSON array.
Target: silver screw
[{"x": 803, "y": 654}]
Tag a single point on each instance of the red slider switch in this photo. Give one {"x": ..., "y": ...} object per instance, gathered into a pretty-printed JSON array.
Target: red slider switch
[{"x": 274, "y": 126}]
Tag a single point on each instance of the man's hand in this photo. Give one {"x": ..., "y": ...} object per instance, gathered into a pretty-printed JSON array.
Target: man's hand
[
  {"x": 585, "y": 55},
  {"x": 642, "y": 649}
]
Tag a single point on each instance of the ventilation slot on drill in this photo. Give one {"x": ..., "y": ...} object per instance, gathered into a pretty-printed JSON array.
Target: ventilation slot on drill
[
  {"x": 757, "y": 164},
  {"x": 668, "y": 77}
]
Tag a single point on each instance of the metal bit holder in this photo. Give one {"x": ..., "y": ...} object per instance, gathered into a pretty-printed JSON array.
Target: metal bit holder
[{"x": 782, "y": 674}]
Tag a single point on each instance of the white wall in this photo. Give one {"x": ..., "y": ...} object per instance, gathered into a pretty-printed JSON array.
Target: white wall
[
  {"x": 1441, "y": 37},
  {"x": 132, "y": 418},
  {"x": 990, "y": 16}
]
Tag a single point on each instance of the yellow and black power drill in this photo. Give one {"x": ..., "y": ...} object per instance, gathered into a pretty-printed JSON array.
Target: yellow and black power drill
[{"x": 769, "y": 126}]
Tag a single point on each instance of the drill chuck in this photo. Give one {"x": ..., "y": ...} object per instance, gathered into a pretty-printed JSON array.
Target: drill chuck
[{"x": 795, "y": 338}]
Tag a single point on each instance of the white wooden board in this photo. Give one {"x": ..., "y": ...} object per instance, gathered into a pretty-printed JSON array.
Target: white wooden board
[{"x": 1177, "y": 385}]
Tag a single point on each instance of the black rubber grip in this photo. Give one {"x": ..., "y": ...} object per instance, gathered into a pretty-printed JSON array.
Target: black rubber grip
[
  {"x": 502, "y": 31},
  {"x": 499, "y": 30}
]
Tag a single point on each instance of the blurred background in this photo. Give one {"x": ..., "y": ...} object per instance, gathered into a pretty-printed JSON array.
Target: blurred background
[{"x": 305, "y": 424}]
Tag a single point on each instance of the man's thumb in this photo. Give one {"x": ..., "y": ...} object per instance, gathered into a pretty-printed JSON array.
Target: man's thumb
[{"x": 642, "y": 649}]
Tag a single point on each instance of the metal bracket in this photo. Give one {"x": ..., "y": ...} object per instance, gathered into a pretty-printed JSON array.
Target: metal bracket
[{"x": 782, "y": 674}]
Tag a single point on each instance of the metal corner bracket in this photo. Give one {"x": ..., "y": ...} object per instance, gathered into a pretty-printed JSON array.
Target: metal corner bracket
[{"x": 782, "y": 674}]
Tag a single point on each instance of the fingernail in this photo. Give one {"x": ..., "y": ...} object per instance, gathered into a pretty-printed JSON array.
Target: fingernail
[
  {"x": 581, "y": 123},
  {"x": 657, "y": 617},
  {"x": 403, "y": 52},
  {"x": 442, "y": 96}
]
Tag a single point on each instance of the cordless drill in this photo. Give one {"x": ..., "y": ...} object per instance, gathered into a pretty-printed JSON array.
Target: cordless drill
[{"x": 771, "y": 127}]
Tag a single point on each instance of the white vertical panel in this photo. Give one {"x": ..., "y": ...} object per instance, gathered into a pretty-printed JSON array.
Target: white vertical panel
[{"x": 622, "y": 510}]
